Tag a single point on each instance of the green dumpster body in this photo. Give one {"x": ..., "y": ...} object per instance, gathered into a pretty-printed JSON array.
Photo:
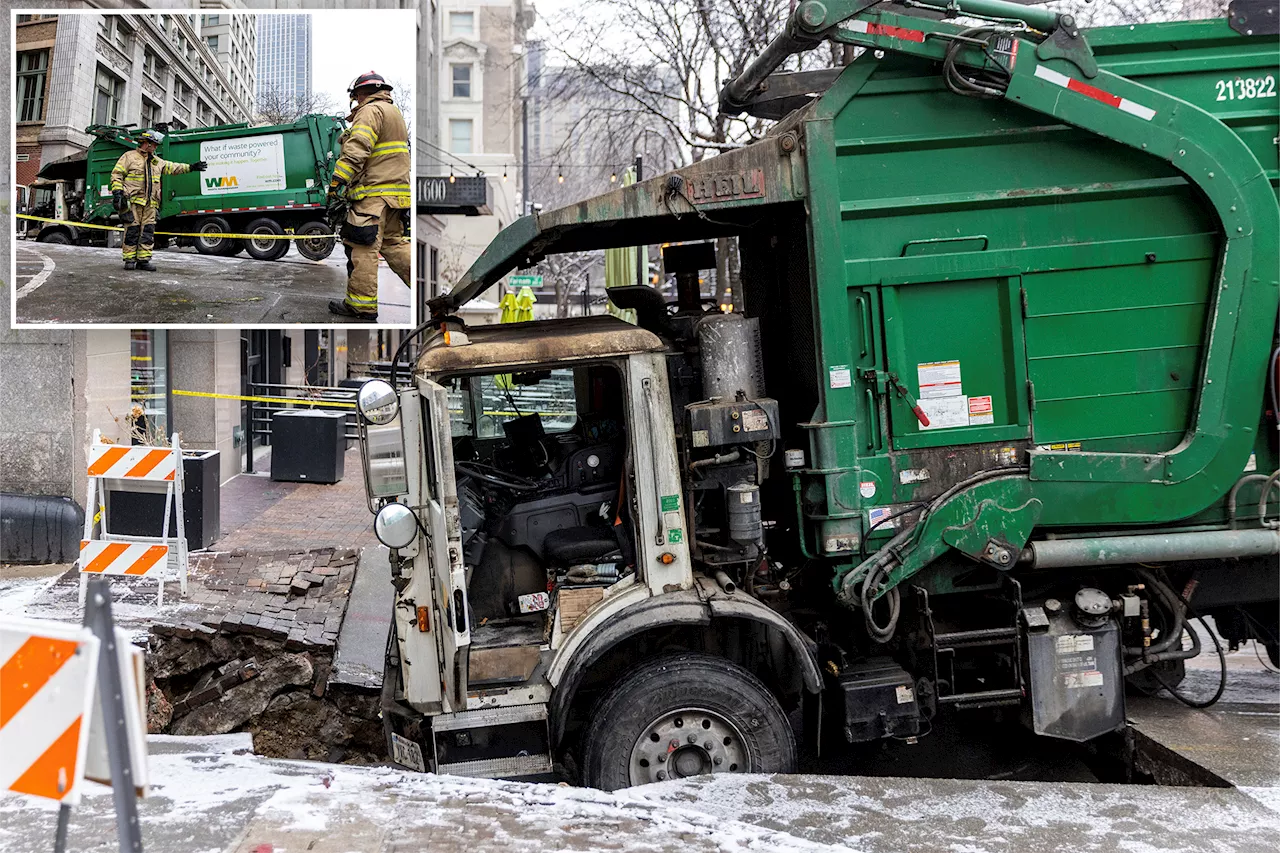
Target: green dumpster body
[
  {"x": 1048, "y": 295},
  {"x": 277, "y": 170}
]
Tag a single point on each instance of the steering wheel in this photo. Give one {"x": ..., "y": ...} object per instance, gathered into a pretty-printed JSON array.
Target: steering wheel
[{"x": 496, "y": 476}]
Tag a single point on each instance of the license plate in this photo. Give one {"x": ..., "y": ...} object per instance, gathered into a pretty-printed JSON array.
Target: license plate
[{"x": 407, "y": 753}]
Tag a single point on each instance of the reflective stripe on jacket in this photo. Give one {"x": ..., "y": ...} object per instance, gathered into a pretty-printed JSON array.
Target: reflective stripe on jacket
[
  {"x": 375, "y": 157},
  {"x": 134, "y": 172}
]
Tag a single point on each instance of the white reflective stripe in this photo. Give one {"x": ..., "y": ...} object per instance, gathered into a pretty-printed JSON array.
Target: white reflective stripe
[
  {"x": 123, "y": 558},
  {"x": 1053, "y": 76},
  {"x": 1138, "y": 110},
  {"x": 856, "y": 26},
  {"x": 47, "y": 715}
]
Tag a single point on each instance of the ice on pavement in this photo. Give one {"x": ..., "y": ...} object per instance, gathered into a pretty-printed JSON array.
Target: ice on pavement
[{"x": 210, "y": 792}]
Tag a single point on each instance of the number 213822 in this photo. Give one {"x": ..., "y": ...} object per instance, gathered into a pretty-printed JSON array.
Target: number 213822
[{"x": 1246, "y": 88}]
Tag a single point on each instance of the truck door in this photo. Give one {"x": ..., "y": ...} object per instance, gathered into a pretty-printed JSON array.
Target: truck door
[{"x": 444, "y": 535}]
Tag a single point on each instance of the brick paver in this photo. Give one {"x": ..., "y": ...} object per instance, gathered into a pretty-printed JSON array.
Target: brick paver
[{"x": 262, "y": 516}]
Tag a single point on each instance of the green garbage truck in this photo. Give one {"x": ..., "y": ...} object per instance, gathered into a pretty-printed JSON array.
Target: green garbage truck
[
  {"x": 267, "y": 180},
  {"x": 995, "y": 424}
]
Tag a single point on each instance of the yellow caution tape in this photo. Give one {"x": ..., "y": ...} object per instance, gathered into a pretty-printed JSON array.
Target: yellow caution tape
[
  {"x": 181, "y": 233},
  {"x": 299, "y": 400}
]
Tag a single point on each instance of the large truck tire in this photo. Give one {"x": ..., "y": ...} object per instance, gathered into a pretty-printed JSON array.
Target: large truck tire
[
  {"x": 61, "y": 237},
  {"x": 319, "y": 243},
  {"x": 213, "y": 245},
  {"x": 234, "y": 247},
  {"x": 265, "y": 250},
  {"x": 685, "y": 715}
]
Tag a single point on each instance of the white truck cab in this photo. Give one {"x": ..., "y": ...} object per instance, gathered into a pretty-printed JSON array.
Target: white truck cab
[{"x": 530, "y": 488}]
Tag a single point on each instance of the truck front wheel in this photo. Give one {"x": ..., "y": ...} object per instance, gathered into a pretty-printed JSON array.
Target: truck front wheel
[{"x": 685, "y": 715}]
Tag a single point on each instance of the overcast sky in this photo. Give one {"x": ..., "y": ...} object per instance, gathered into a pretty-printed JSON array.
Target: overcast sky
[{"x": 347, "y": 43}]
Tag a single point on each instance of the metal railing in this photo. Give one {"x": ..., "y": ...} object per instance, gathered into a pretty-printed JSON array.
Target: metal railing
[{"x": 324, "y": 398}]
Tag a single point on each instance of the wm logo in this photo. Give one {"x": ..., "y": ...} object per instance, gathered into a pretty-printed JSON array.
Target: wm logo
[{"x": 217, "y": 183}]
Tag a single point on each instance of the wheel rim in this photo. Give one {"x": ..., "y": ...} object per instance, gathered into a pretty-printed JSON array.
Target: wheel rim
[
  {"x": 210, "y": 242},
  {"x": 315, "y": 242},
  {"x": 688, "y": 742},
  {"x": 263, "y": 245}
]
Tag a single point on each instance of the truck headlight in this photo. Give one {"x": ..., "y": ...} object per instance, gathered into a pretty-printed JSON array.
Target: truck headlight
[{"x": 381, "y": 442}]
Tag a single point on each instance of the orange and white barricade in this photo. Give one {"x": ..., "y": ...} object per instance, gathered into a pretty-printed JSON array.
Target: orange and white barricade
[
  {"x": 133, "y": 469},
  {"x": 48, "y": 671}
]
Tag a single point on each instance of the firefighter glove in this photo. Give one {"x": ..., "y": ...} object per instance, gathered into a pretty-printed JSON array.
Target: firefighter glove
[
  {"x": 126, "y": 215},
  {"x": 118, "y": 201},
  {"x": 199, "y": 166}
]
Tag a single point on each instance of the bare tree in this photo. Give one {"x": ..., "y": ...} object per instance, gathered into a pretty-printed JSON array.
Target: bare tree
[
  {"x": 402, "y": 97},
  {"x": 277, "y": 106}
]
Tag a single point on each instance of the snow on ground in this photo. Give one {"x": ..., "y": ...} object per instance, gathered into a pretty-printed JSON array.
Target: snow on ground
[
  {"x": 969, "y": 816},
  {"x": 211, "y": 794}
]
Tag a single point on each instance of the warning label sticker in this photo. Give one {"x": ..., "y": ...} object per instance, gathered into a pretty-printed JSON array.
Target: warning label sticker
[
  {"x": 1062, "y": 446},
  {"x": 841, "y": 377},
  {"x": 945, "y": 412},
  {"x": 1069, "y": 644},
  {"x": 939, "y": 379},
  {"x": 980, "y": 411},
  {"x": 1088, "y": 678},
  {"x": 754, "y": 420}
]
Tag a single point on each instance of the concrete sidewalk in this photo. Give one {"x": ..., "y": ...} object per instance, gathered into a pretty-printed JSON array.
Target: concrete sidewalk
[{"x": 85, "y": 284}]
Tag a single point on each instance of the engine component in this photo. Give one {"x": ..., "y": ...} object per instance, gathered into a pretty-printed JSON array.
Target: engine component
[
  {"x": 1075, "y": 675},
  {"x": 1092, "y": 607},
  {"x": 877, "y": 699},
  {"x": 716, "y": 423},
  {"x": 745, "y": 526},
  {"x": 729, "y": 345}
]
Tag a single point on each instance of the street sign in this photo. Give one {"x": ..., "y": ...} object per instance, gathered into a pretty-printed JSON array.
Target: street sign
[{"x": 518, "y": 281}]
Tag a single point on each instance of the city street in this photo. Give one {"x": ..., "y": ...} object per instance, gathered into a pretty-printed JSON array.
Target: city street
[{"x": 84, "y": 284}]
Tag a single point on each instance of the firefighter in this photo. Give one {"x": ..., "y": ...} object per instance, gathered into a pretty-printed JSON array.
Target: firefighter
[
  {"x": 135, "y": 191},
  {"x": 372, "y": 178}
]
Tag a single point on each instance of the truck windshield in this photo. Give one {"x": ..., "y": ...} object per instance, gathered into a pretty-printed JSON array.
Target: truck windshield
[{"x": 480, "y": 405}]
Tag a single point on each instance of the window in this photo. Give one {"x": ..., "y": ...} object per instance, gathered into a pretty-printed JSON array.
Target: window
[
  {"x": 461, "y": 81},
  {"x": 460, "y": 135},
  {"x": 149, "y": 386},
  {"x": 108, "y": 92},
  {"x": 116, "y": 31},
  {"x": 150, "y": 113},
  {"x": 462, "y": 23},
  {"x": 211, "y": 20},
  {"x": 152, "y": 66},
  {"x": 33, "y": 66},
  {"x": 551, "y": 395},
  {"x": 212, "y": 41}
]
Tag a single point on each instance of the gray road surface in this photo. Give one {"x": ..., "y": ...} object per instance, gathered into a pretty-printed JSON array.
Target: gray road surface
[{"x": 87, "y": 285}]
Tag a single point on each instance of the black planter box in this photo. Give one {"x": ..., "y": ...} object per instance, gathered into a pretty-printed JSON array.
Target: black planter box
[
  {"x": 142, "y": 513},
  {"x": 307, "y": 446}
]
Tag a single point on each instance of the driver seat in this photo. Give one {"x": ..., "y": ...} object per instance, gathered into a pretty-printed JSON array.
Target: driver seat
[{"x": 571, "y": 545}]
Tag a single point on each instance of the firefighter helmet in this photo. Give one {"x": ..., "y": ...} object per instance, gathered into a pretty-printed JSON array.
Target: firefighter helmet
[
  {"x": 369, "y": 78},
  {"x": 153, "y": 136}
]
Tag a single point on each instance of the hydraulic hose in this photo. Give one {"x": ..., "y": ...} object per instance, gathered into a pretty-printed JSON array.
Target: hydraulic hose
[{"x": 1174, "y": 607}]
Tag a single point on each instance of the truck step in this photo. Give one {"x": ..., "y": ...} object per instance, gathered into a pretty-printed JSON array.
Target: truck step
[
  {"x": 500, "y": 768},
  {"x": 464, "y": 720}
]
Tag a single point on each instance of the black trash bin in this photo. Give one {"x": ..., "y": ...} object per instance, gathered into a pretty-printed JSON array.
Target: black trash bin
[
  {"x": 142, "y": 513},
  {"x": 307, "y": 446}
]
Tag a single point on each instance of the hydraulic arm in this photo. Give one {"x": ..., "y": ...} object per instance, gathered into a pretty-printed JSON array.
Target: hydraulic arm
[{"x": 1040, "y": 60}]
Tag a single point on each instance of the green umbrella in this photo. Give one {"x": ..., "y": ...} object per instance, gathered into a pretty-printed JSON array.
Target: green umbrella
[{"x": 620, "y": 264}]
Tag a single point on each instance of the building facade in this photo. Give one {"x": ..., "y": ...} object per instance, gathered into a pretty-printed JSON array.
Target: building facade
[
  {"x": 234, "y": 39},
  {"x": 117, "y": 69},
  {"x": 481, "y": 84},
  {"x": 284, "y": 59}
]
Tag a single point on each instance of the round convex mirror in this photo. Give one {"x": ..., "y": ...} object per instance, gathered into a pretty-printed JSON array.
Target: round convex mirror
[
  {"x": 395, "y": 526},
  {"x": 377, "y": 402}
]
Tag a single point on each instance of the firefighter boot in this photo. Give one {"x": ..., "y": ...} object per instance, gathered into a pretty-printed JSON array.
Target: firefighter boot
[
  {"x": 147, "y": 266},
  {"x": 130, "y": 264},
  {"x": 342, "y": 309}
]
